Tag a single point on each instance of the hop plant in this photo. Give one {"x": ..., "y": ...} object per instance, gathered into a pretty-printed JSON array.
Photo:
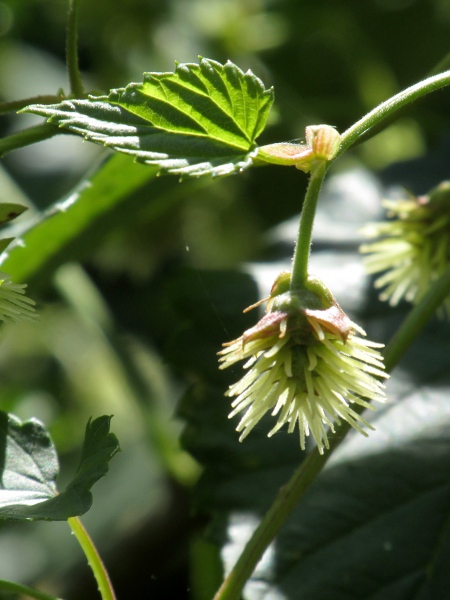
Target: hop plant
[
  {"x": 414, "y": 249},
  {"x": 14, "y": 305},
  {"x": 307, "y": 364}
]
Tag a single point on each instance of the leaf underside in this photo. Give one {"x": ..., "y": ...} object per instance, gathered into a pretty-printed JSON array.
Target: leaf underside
[
  {"x": 29, "y": 468},
  {"x": 200, "y": 119}
]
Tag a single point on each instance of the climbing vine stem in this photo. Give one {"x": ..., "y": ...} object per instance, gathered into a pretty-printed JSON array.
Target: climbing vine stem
[
  {"x": 386, "y": 109},
  {"x": 76, "y": 84}
]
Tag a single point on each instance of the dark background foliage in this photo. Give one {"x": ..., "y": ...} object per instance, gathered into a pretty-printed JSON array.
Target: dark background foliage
[{"x": 136, "y": 306}]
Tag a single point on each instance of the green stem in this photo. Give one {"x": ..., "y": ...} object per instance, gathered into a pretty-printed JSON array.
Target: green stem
[
  {"x": 15, "y": 105},
  {"x": 386, "y": 109},
  {"x": 290, "y": 494},
  {"x": 303, "y": 245},
  {"x": 93, "y": 558},
  {"x": 73, "y": 70},
  {"x": 27, "y": 137},
  {"x": 23, "y": 590},
  {"x": 416, "y": 320},
  {"x": 271, "y": 523}
]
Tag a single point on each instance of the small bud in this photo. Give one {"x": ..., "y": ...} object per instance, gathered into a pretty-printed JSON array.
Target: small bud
[
  {"x": 287, "y": 153},
  {"x": 322, "y": 142}
]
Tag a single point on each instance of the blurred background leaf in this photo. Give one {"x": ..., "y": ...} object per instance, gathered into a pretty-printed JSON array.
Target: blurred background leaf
[{"x": 156, "y": 282}]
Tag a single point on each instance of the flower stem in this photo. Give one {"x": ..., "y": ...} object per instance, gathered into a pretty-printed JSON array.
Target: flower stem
[
  {"x": 416, "y": 320},
  {"x": 284, "y": 503},
  {"x": 76, "y": 84},
  {"x": 27, "y": 137},
  {"x": 23, "y": 590},
  {"x": 303, "y": 245},
  {"x": 93, "y": 558},
  {"x": 290, "y": 494},
  {"x": 386, "y": 109}
]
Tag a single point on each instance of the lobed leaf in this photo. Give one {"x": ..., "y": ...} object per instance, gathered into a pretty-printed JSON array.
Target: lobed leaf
[
  {"x": 201, "y": 119},
  {"x": 29, "y": 468}
]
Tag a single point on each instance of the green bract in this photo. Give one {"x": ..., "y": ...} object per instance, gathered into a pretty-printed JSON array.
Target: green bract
[{"x": 200, "y": 119}]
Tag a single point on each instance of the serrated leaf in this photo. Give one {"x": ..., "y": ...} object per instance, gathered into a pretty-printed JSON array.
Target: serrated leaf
[
  {"x": 29, "y": 468},
  {"x": 200, "y": 119}
]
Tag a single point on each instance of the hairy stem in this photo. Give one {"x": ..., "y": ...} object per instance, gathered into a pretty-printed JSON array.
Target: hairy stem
[
  {"x": 15, "y": 105},
  {"x": 387, "y": 109},
  {"x": 73, "y": 70},
  {"x": 290, "y": 494},
  {"x": 27, "y": 137},
  {"x": 303, "y": 245},
  {"x": 93, "y": 558}
]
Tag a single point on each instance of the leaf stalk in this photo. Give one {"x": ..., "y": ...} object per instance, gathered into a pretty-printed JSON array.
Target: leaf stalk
[
  {"x": 27, "y": 137},
  {"x": 15, "y": 105}
]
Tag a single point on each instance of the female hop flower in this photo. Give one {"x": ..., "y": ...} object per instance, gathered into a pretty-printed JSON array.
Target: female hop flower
[
  {"x": 415, "y": 247},
  {"x": 14, "y": 305},
  {"x": 307, "y": 364}
]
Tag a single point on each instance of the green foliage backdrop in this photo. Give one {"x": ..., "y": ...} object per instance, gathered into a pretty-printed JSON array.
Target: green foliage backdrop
[{"x": 140, "y": 279}]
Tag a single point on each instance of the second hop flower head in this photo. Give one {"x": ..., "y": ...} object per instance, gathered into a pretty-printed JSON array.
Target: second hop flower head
[
  {"x": 307, "y": 363},
  {"x": 413, "y": 249}
]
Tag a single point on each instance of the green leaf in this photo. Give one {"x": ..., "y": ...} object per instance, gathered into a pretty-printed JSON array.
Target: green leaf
[
  {"x": 29, "y": 468},
  {"x": 4, "y": 243},
  {"x": 200, "y": 119},
  {"x": 45, "y": 242},
  {"x": 9, "y": 211}
]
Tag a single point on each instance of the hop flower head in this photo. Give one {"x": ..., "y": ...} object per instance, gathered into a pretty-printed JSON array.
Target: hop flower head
[
  {"x": 414, "y": 249},
  {"x": 14, "y": 305},
  {"x": 307, "y": 363}
]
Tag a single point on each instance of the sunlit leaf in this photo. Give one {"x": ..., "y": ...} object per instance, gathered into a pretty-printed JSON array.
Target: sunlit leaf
[
  {"x": 29, "y": 468},
  {"x": 203, "y": 118}
]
